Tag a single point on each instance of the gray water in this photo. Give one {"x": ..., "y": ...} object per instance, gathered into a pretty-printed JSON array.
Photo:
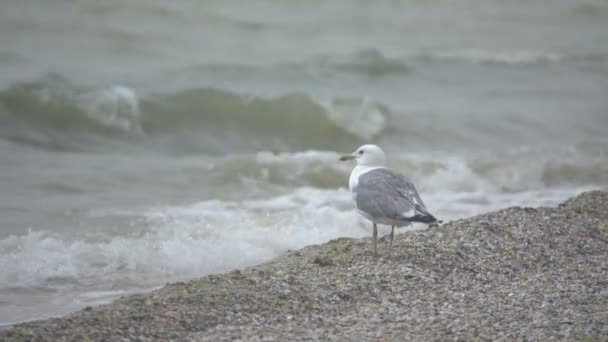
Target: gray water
[{"x": 143, "y": 142}]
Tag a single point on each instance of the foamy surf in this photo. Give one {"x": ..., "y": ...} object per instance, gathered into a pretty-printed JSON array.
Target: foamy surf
[
  {"x": 115, "y": 106},
  {"x": 170, "y": 243},
  {"x": 481, "y": 56}
]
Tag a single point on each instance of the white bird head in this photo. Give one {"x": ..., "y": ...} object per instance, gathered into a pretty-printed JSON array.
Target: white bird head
[{"x": 367, "y": 155}]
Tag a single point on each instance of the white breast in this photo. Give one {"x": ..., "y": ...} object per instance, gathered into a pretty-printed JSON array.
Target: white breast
[{"x": 357, "y": 172}]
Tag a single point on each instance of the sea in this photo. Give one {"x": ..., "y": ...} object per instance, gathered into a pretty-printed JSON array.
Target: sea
[{"x": 149, "y": 141}]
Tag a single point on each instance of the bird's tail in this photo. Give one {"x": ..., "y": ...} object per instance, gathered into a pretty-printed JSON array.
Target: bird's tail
[{"x": 427, "y": 218}]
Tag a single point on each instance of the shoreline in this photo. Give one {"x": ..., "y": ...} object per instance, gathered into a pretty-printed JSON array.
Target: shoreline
[{"x": 516, "y": 273}]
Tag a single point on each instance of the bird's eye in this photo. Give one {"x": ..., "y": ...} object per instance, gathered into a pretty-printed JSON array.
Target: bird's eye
[{"x": 360, "y": 151}]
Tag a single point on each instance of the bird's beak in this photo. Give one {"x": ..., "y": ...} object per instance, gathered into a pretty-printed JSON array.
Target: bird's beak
[{"x": 347, "y": 157}]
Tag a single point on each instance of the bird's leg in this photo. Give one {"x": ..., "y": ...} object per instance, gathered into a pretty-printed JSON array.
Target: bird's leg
[
  {"x": 375, "y": 240},
  {"x": 390, "y": 245}
]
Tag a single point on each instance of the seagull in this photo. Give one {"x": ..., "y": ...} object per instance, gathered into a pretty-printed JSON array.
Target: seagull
[{"x": 384, "y": 196}]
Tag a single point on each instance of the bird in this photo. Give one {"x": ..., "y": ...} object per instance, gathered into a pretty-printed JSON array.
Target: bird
[{"x": 384, "y": 196}]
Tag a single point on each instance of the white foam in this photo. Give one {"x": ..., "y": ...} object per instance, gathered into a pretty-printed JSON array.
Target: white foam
[
  {"x": 214, "y": 236},
  {"x": 116, "y": 106},
  {"x": 453, "y": 188},
  {"x": 455, "y": 205},
  {"x": 498, "y": 57},
  {"x": 172, "y": 243},
  {"x": 362, "y": 117},
  {"x": 299, "y": 157},
  {"x": 456, "y": 176},
  {"x": 178, "y": 242}
]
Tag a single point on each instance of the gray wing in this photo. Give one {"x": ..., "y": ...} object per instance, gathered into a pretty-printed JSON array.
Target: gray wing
[{"x": 384, "y": 194}]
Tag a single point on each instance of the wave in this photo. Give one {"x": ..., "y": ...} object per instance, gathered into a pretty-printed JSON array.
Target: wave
[
  {"x": 434, "y": 174},
  {"x": 55, "y": 114},
  {"x": 172, "y": 242},
  {"x": 480, "y": 56},
  {"x": 367, "y": 62},
  {"x": 591, "y": 10},
  {"x": 374, "y": 65},
  {"x": 184, "y": 241}
]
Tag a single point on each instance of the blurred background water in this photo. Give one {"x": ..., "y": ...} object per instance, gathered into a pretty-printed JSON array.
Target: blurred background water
[{"x": 148, "y": 141}]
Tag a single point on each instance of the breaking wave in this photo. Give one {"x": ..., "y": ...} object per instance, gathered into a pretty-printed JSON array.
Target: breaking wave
[
  {"x": 56, "y": 115},
  {"x": 488, "y": 174},
  {"x": 480, "y": 56}
]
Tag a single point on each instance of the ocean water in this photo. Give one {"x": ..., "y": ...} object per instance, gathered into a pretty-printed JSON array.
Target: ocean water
[{"x": 143, "y": 142}]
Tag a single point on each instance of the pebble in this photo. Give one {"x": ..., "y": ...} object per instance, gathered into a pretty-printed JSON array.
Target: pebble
[{"x": 514, "y": 274}]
